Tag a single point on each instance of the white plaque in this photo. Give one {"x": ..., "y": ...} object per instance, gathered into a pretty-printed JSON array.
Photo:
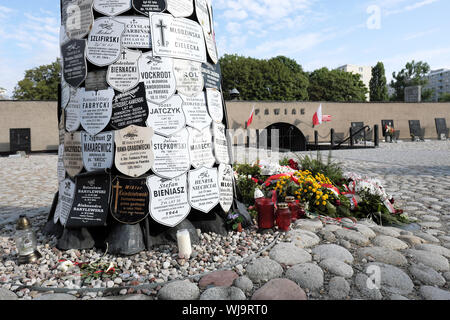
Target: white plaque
[
  {"x": 210, "y": 40},
  {"x": 225, "y": 179},
  {"x": 201, "y": 148},
  {"x": 180, "y": 8},
  {"x": 220, "y": 143},
  {"x": 63, "y": 38},
  {"x": 61, "y": 170},
  {"x": 65, "y": 93},
  {"x": 168, "y": 199},
  {"x": 158, "y": 77},
  {"x": 73, "y": 159},
  {"x": 215, "y": 104},
  {"x": 112, "y": 7},
  {"x": 123, "y": 75},
  {"x": 137, "y": 32},
  {"x": 166, "y": 118},
  {"x": 104, "y": 42},
  {"x": 196, "y": 111},
  {"x": 77, "y": 17},
  {"x": 177, "y": 37},
  {"x": 171, "y": 155},
  {"x": 203, "y": 189},
  {"x": 203, "y": 16},
  {"x": 73, "y": 110},
  {"x": 134, "y": 155},
  {"x": 96, "y": 110},
  {"x": 189, "y": 77},
  {"x": 97, "y": 150},
  {"x": 65, "y": 201}
]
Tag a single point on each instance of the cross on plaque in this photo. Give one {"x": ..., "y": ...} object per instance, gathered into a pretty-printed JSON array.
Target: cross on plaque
[
  {"x": 124, "y": 53},
  {"x": 117, "y": 187},
  {"x": 162, "y": 27}
]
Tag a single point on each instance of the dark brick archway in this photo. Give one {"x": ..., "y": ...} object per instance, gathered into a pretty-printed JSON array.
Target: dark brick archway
[{"x": 291, "y": 137}]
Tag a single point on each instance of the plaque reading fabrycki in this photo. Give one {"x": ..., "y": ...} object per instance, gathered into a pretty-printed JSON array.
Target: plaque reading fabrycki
[
  {"x": 211, "y": 75},
  {"x": 61, "y": 170},
  {"x": 215, "y": 104},
  {"x": 104, "y": 42},
  {"x": 157, "y": 75},
  {"x": 177, "y": 37},
  {"x": 137, "y": 32},
  {"x": 96, "y": 110},
  {"x": 96, "y": 80},
  {"x": 73, "y": 159},
  {"x": 203, "y": 189},
  {"x": 123, "y": 75},
  {"x": 167, "y": 118},
  {"x": 146, "y": 7},
  {"x": 129, "y": 200},
  {"x": 74, "y": 62},
  {"x": 168, "y": 200},
  {"x": 112, "y": 7},
  {"x": 65, "y": 93},
  {"x": 134, "y": 154},
  {"x": 196, "y": 111},
  {"x": 180, "y": 8},
  {"x": 171, "y": 155},
  {"x": 201, "y": 148},
  {"x": 130, "y": 108},
  {"x": 97, "y": 150},
  {"x": 73, "y": 110},
  {"x": 188, "y": 75},
  {"x": 77, "y": 17},
  {"x": 225, "y": 180},
  {"x": 65, "y": 200},
  {"x": 91, "y": 202},
  {"x": 220, "y": 143}
]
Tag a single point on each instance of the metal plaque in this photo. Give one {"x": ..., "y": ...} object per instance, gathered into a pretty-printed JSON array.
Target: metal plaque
[
  {"x": 167, "y": 118},
  {"x": 65, "y": 201},
  {"x": 196, "y": 111},
  {"x": 212, "y": 75},
  {"x": 203, "y": 16},
  {"x": 123, "y": 75},
  {"x": 189, "y": 78},
  {"x": 137, "y": 32},
  {"x": 146, "y": 7},
  {"x": 201, "y": 148},
  {"x": 130, "y": 108},
  {"x": 96, "y": 110},
  {"x": 180, "y": 8},
  {"x": 65, "y": 93},
  {"x": 77, "y": 17},
  {"x": 225, "y": 180},
  {"x": 203, "y": 189},
  {"x": 60, "y": 168},
  {"x": 73, "y": 159},
  {"x": 63, "y": 38},
  {"x": 220, "y": 143},
  {"x": 96, "y": 80},
  {"x": 112, "y": 7},
  {"x": 74, "y": 62},
  {"x": 215, "y": 104},
  {"x": 73, "y": 110},
  {"x": 97, "y": 150}
]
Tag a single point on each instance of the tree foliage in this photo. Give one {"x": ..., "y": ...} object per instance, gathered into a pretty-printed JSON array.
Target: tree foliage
[
  {"x": 411, "y": 75},
  {"x": 378, "y": 84},
  {"x": 445, "y": 97}
]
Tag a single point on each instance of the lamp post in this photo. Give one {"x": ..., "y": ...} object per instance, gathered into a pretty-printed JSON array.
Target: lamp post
[
  {"x": 26, "y": 242},
  {"x": 234, "y": 93}
]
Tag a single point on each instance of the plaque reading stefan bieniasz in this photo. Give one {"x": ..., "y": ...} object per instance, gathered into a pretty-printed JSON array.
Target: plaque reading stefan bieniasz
[
  {"x": 65, "y": 200},
  {"x": 212, "y": 75},
  {"x": 134, "y": 154},
  {"x": 225, "y": 179},
  {"x": 91, "y": 202},
  {"x": 74, "y": 62},
  {"x": 215, "y": 104},
  {"x": 112, "y": 7},
  {"x": 189, "y": 78},
  {"x": 168, "y": 199},
  {"x": 137, "y": 32},
  {"x": 167, "y": 118},
  {"x": 129, "y": 200},
  {"x": 201, "y": 148},
  {"x": 220, "y": 143},
  {"x": 130, "y": 108},
  {"x": 196, "y": 111},
  {"x": 158, "y": 77},
  {"x": 60, "y": 168},
  {"x": 123, "y": 75},
  {"x": 203, "y": 189},
  {"x": 104, "y": 42},
  {"x": 171, "y": 155},
  {"x": 73, "y": 159},
  {"x": 97, "y": 150},
  {"x": 177, "y": 37},
  {"x": 96, "y": 110},
  {"x": 77, "y": 17},
  {"x": 180, "y": 8},
  {"x": 146, "y": 7}
]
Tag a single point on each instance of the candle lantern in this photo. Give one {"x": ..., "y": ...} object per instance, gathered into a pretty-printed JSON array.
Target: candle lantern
[
  {"x": 283, "y": 217},
  {"x": 301, "y": 211},
  {"x": 26, "y": 242},
  {"x": 293, "y": 207},
  {"x": 266, "y": 213},
  {"x": 184, "y": 244}
]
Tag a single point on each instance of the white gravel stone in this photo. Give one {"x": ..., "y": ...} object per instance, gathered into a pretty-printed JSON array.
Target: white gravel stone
[
  {"x": 289, "y": 254},
  {"x": 433, "y": 260},
  {"x": 310, "y": 225},
  {"x": 304, "y": 238},
  {"x": 389, "y": 242},
  {"x": 365, "y": 231},
  {"x": 327, "y": 251},
  {"x": 337, "y": 267},
  {"x": 387, "y": 231},
  {"x": 381, "y": 254}
]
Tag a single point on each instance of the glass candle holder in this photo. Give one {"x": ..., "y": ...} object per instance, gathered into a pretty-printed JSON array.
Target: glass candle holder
[
  {"x": 26, "y": 242},
  {"x": 283, "y": 217},
  {"x": 293, "y": 207},
  {"x": 266, "y": 213}
]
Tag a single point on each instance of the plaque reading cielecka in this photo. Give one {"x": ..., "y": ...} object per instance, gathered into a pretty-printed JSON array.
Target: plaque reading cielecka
[
  {"x": 177, "y": 37},
  {"x": 74, "y": 62},
  {"x": 96, "y": 80},
  {"x": 123, "y": 75},
  {"x": 225, "y": 180},
  {"x": 96, "y": 110},
  {"x": 91, "y": 202},
  {"x": 201, "y": 148},
  {"x": 158, "y": 77},
  {"x": 129, "y": 200},
  {"x": 146, "y": 7},
  {"x": 220, "y": 143},
  {"x": 203, "y": 189},
  {"x": 137, "y": 32},
  {"x": 167, "y": 118},
  {"x": 60, "y": 168},
  {"x": 215, "y": 104},
  {"x": 112, "y": 7},
  {"x": 130, "y": 108},
  {"x": 134, "y": 154},
  {"x": 65, "y": 200},
  {"x": 196, "y": 111},
  {"x": 97, "y": 150},
  {"x": 77, "y": 17},
  {"x": 65, "y": 93},
  {"x": 73, "y": 110},
  {"x": 189, "y": 78},
  {"x": 104, "y": 42},
  {"x": 212, "y": 75},
  {"x": 73, "y": 159},
  {"x": 168, "y": 199},
  {"x": 180, "y": 8}
]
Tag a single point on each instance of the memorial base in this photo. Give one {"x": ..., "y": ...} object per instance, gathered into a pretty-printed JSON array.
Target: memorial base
[
  {"x": 76, "y": 239},
  {"x": 125, "y": 239}
]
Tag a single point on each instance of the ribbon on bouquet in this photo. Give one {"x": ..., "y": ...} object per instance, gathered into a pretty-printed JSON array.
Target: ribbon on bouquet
[{"x": 351, "y": 194}]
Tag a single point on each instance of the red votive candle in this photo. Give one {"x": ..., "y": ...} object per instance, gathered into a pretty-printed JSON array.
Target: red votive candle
[
  {"x": 293, "y": 207},
  {"x": 266, "y": 213},
  {"x": 283, "y": 217}
]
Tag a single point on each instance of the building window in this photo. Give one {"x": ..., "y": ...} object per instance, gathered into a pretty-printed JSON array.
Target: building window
[
  {"x": 294, "y": 112},
  {"x": 256, "y": 112},
  {"x": 266, "y": 112}
]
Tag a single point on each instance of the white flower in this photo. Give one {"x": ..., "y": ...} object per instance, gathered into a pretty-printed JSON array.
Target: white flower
[
  {"x": 258, "y": 194},
  {"x": 65, "y": 265}
]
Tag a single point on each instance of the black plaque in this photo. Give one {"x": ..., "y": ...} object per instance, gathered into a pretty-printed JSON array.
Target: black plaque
[
  {"x": 441, "y": 126},
  {"x": 148, "y": 6},
  {"x": 96, "y": 80},
  {"x": 383, "y": 125},
  {"x": 212, "y": 75},
  {"x": 130, "y": 200},
  {"x": 414, "y": 128},
  {"x": 74, "y": 61},
  {"x": 130, "y": 108}
]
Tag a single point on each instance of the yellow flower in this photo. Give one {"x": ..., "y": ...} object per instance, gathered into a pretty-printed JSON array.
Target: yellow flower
[
  {"x": 324, "y": 202},
  {"x": 317, "y": 203},
  {"x": 317, "y": 197}
]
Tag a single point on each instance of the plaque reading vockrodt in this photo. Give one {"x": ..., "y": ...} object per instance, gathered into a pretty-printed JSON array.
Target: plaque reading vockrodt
[
  {"x": 180, "y": 8},
  {"x": 130, "y": 108},
  {"x": 196, "y": 111},
  {"x": 96, "y": 110},
  {"x": 203, "y": 189},
  {"x": 167, "y": 118},
  {"x": 97, "y": 150},
  {"x": 212, "y": 75},
  {"x": 73, "y": 110},
  {"x": 65, "y": 200},
  {"x": 201, "y": 148},
  {"x": 220, "y": 143},
  {"x": 146, "y": 7},
  {"x": 225, "y": 180},
  {"x": 189, "y": 78},
  {"x": 137, "y": 32},
  {"x": 123, "y": 75},
  {"x": 215, "y": 104},
  {"x": 77, "y": 17},
  {"x": 73, "y": 158},
  {"x": 74, "y": 62},
  {"x": 112, "y": 7}
]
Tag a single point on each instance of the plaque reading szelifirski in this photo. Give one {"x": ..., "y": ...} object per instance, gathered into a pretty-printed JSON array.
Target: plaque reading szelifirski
[
  {"x": 65, "y": 93},
  {"x": 73, "y": 158},
  {"x": 130, "y": 108},
  {"x": 96, "y": 80},
  {"x": 123, "y": 75},
  {"x": 171, "y": 155},
  {"x": 177, "y": 37},
  {"x": 137, "y": 32},
  {"x": 96, "y": 110},
  {"x": 189, "y": 78},
  {"x": 215, "y": 104},
  {"x": 91, "y": 202},
  {"x": 158, "y": 77},
  {"x": 220, "y": 143},
  {"x": 146, "y": 7},
  {"x": 225, "y": 179},
  {"x": 112, "y": 7},
  {"x": 201, "y": 148},
  {"x": 73, "y": 110},
  {"x": 180, "y": 8},
  {"x": 168, "y": 199},
  {"x": 104, "y": 42},
  {"x": 97, "y": 150},
  {"x": 167, "y": 118},
  {"x": 74, "y": 62},
  {"x": 65, "y": 201},
  {"x": 134, "y": 154},
  {"x": 60, "y": 169},
  {"x": 212, "y": 75},
  {"x": 129, "y": 200},
  {"x": 77, "y": 17},
  {"x": 203, "y": 189},
  {"x": 196, "y": 111}
]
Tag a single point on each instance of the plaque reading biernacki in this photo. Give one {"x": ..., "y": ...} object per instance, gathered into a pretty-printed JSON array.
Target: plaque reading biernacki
[
  {"x": 225, "y": 180},
  {"x": 168, "y": 199},
  {"x": 65, "y": 200},
  {"x": 167, "y": 118},
  {"x": 123, "y": 75},
  {"x": 189, "y": 78},
  {"x": 73, "y": 159},
  {"x": 134, "y": 155},
  {"x": 203, "y": 189},
  {"x": 157, "y": 75},
  {"x": 146, "y": 7},
  {"x": 96, "y": 110},
  {"x": 91, "y": 202},
  {"x": 112, "y": 7},
  {"x": 201, "y": 148},
  {"x": 97, "y": 150},
  {"x": 196, "y": 112},
  {"x": 129, "y": 200},
  {"x": 130, "y": 108},
  {"x": 74, "y": 62},
  {"x": 137, "y": 32}
]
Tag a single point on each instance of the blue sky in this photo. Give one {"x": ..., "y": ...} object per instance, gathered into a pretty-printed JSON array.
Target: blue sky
[{"x": 316, "y": 33}]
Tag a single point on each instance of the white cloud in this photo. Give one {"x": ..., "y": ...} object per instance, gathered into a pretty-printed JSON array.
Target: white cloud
[
  {"x": 420, "y": 34},
  {"x": 409, "y": 7}
]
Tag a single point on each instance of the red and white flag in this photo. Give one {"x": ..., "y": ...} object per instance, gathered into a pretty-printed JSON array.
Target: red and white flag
[
  {"x": 317, "y": 118},
  {"x": 250, "y": 119}
]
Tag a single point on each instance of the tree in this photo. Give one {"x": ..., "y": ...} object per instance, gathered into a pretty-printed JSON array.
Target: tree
[
  {"x": 40, "y": 83},
  {"x": 445, "y": 97},
  {"x": 378, "y": 84},
  {"x": 412, "y": 75},
  {"x": 427, "y": 95}
]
